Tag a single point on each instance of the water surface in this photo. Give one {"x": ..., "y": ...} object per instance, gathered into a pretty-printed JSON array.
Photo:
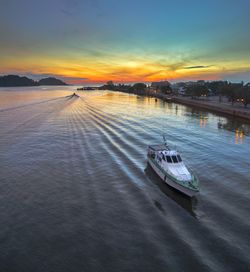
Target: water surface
[{"x": 76, "y": 193}]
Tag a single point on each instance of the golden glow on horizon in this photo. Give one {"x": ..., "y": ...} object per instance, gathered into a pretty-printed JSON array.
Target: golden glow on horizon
[{"x": 119, "y": 68}]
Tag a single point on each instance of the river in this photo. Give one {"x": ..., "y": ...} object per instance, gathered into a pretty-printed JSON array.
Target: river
[{"x": 76, "y": 193}]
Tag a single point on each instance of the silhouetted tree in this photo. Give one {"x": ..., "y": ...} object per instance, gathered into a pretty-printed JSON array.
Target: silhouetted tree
[
  {"x": 197, "y": 90},
  {"x": 232, "y": 91},
  {"x": 139, "y": 88},
  {"x": 166, "y": 89},
  {"x": 110, "y": 85},
  {"x": 245, "y": 95}
]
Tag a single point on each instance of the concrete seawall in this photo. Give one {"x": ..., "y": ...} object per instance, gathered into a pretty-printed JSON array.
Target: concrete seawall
[{"x": 208, "y": 105}]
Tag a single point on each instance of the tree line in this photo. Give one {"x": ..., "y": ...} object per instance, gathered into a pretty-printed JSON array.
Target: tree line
[
  {"x": 235, "y": 92},
  {"x": 137, "y": 88}
]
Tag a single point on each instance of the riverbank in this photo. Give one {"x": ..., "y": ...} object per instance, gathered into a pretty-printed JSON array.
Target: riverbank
[
  {"x": 208, "y": 103},
  {"x": 211, "y": 105}
]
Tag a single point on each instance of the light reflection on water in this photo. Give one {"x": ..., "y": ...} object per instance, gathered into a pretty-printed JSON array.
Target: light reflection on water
[{"x": 76, "y": 192}]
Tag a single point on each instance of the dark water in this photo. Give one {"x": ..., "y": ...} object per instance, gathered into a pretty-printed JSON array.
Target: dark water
[{"x": 76, "y": 193}]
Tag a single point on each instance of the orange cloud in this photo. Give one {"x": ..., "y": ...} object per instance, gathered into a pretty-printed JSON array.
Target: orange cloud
[{"x": 120, "y": 68}]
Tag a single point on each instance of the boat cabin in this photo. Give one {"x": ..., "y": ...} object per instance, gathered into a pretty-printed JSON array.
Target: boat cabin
[
  {"x": 168, "y": 164},
  {"x": 162, "y": 153}
]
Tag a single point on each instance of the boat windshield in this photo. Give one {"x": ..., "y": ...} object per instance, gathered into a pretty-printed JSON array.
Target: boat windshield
[
  {"x": 179, "y": 158},
  {"x": 174, "y": 158},
  {"x": 169, "y": 159}
]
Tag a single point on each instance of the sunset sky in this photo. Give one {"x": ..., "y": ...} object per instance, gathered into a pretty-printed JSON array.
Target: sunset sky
[{"x": 94, "y": 41}]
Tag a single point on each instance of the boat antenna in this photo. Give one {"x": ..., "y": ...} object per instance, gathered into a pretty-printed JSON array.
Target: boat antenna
[{"x": 164, "y": 136}]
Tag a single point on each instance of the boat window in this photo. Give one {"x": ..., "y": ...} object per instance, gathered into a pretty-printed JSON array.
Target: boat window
[
  {"x": 169, "y": 159},
  {"x": 174, "y": 158},
  {"x": 179, "y": 158}
]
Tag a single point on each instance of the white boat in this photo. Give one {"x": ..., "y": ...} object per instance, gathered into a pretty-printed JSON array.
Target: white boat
[{"x": 168, "y": 165}]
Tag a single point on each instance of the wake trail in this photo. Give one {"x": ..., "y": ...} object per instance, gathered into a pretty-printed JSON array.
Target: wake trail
[{"x": 35, "y": 103}]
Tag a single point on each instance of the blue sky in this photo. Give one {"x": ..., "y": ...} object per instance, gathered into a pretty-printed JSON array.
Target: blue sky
[{"x": 121, "y": 40}]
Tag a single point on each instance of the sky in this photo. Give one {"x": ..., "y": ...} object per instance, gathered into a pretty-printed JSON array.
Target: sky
[{"x": 93, "y": 41}]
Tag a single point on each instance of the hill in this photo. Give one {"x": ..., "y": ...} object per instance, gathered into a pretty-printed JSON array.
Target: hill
[
  {"x": 13, "y": 80},
  {"x": 51, "y": 81},
  {"x": 17, "y": 81}
]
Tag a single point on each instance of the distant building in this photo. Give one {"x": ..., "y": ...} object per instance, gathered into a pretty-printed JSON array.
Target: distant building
[
  {"x": 159, "y": 84},
  {"x": 181, "y": 90}
]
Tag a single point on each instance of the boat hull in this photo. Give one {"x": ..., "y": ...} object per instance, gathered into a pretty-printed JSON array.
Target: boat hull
[{"x": 171, "y": 183}]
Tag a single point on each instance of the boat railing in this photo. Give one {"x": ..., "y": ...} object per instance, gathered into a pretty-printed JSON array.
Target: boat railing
[{"x": 195, "y": 180}]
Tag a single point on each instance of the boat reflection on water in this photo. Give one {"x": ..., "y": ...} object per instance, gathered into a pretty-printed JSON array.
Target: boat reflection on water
[{"x": 187, "y": 203}]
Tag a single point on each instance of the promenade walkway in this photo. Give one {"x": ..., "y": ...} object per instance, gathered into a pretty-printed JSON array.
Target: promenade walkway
[{"x": 211, "y": 103}]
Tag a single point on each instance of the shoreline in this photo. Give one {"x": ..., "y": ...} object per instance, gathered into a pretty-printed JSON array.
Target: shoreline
[
  {"x": 210, "y": 105},
  {"x": 207, "y": 105}
]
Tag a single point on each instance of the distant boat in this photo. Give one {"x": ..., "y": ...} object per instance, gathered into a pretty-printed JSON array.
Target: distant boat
[
  {"x": 87, "y": 88},
  {"x": 74, "y": 95},
  {"x": 168, "y": 165}
]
